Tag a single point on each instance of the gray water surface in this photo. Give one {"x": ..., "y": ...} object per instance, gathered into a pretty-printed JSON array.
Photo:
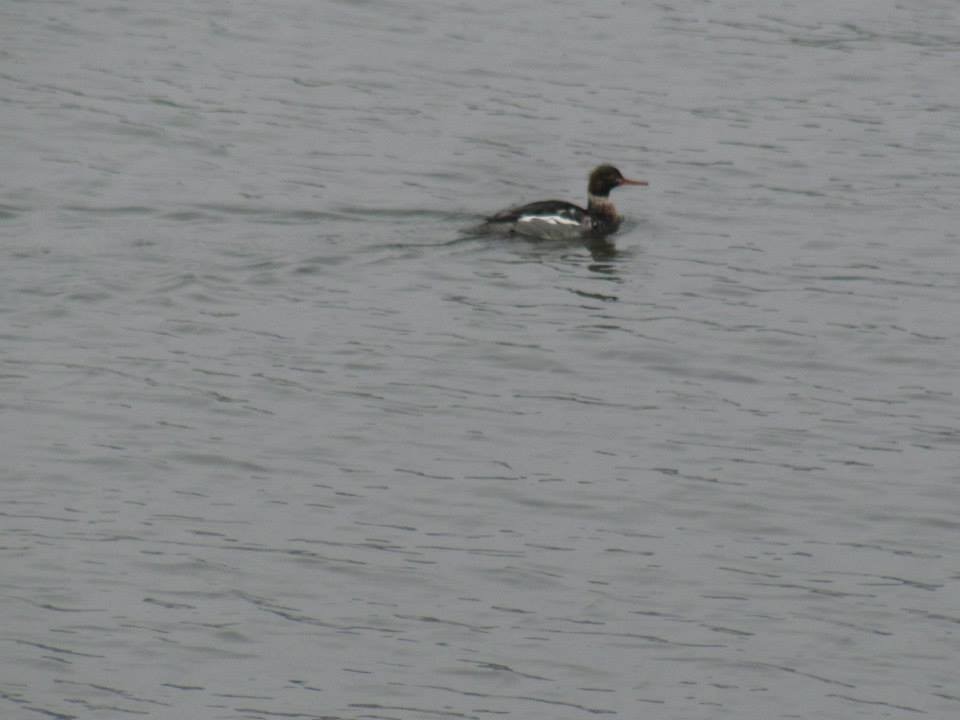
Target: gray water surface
[{"x": 282, "y": 440}]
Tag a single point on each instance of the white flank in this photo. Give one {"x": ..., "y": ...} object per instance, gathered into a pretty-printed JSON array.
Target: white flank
[{"x": 549, "y": 219}]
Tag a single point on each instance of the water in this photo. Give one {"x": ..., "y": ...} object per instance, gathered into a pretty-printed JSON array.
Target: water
[{"x": 282, "y": 441}]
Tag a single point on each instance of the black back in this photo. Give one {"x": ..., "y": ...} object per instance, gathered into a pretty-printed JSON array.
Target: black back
[{"x": 543, "y": 207}]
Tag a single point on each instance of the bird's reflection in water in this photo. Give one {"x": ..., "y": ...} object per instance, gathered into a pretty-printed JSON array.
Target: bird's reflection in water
[
  {"x": 601, "y": 249},
  {"x": 604, "y": 267},
  {"x": 606, "y": 259}
]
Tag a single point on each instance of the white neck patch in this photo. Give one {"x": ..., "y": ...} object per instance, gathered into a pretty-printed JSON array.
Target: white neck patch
[{"x": 597, "y": 201}]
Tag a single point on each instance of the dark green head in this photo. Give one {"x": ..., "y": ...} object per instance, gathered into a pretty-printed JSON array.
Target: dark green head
[{"x": 605, "y": 178}]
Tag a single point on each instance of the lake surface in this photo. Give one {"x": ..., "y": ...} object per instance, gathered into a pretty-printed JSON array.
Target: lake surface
[{"x": 283, "y": 440}]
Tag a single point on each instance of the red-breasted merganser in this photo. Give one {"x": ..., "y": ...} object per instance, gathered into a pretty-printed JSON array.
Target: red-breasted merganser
[{"x": 558, "y": 219}]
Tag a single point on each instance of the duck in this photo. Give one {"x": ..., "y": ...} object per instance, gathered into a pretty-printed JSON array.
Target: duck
[{"x": 559, "y": 219}]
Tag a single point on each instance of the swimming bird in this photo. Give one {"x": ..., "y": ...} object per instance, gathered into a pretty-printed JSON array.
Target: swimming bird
[{"x": 558, "y": 219}]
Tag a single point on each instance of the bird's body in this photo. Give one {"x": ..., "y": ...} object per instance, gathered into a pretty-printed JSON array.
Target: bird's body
[{"x": 558, "y": 219}]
